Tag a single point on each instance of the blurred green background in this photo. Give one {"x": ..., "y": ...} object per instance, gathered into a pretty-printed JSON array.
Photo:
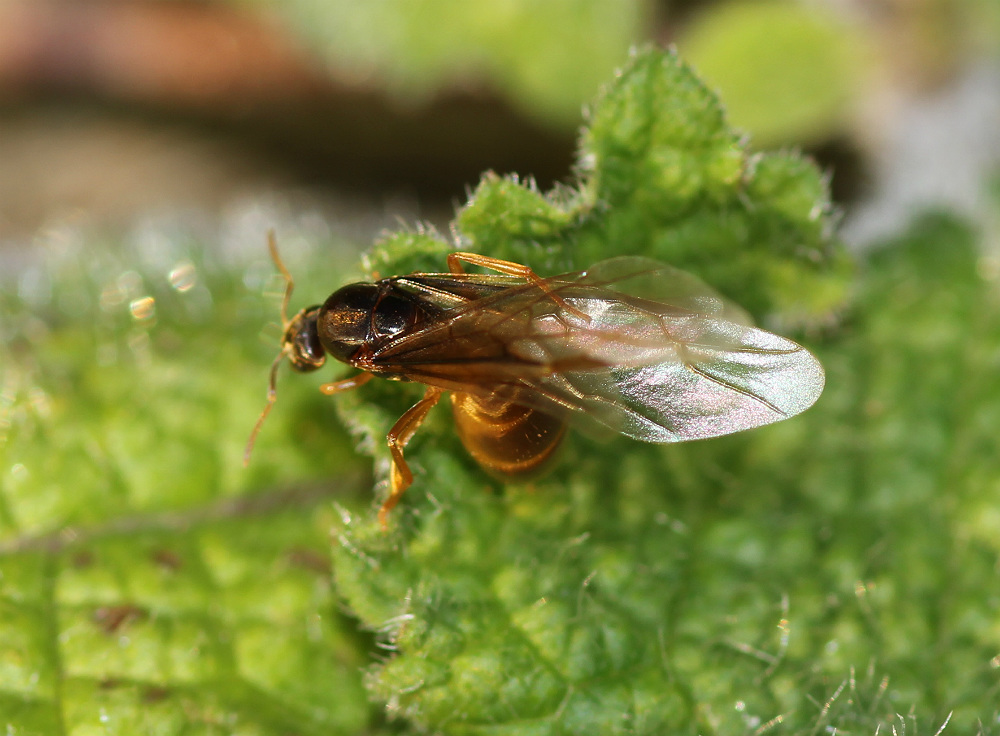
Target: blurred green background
[{"x": 148, "y": 583}]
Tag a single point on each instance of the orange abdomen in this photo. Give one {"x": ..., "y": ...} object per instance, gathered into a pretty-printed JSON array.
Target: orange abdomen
[{"x": 503, "y": 437}]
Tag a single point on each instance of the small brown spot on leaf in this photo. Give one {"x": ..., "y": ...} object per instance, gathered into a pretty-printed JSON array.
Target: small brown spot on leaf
[
  {"x": 82, "y": 559},
  {"x": 155, "y": 694},
  {"x": 167, "y": 559},
  {"x": 113, "y": 618}
]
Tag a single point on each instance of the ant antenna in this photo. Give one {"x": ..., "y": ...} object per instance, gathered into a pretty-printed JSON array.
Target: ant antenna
[
  {"x": 272, "y": 245},
  {"x": 272, "y": 396},
  {"x": 272, "y": 385}
]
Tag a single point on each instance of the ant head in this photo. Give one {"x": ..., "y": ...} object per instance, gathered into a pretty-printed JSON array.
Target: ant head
[{"x": 299, "y": 343}]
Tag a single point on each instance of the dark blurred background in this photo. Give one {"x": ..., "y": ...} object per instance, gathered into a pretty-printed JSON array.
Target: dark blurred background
[{"x": 112, "y": 111}]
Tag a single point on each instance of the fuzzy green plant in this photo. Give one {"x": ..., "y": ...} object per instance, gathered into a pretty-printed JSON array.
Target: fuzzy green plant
[{"x": 832, "y": 573}]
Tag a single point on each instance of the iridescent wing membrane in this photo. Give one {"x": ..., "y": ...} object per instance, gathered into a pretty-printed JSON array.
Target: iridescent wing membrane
[{"x": 630, "y": 345}]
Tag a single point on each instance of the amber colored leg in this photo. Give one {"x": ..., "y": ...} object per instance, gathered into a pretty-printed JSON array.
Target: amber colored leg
[
  {"x": 509, "y": 268},
  {"x": 346, "y": 384},
  {"x": 401, "y": 433}
]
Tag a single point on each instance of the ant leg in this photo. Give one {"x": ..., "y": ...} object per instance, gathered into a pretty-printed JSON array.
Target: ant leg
[
  {"x": 401, "y": 433},
  {"x": 509, "y": 268},
  {"x": 346, "y": 384}
]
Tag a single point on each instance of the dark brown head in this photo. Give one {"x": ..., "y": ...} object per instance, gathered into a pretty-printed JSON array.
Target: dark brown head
[{"x": 301, "y": 342}]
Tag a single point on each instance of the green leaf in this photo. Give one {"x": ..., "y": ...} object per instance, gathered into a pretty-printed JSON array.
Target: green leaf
[
  {"x": 664, "y": 176},
  {"x": 149, "y": 584}
]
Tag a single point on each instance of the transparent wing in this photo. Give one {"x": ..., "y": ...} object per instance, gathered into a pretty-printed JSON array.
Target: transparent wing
[{"x": 630, "y": 345}]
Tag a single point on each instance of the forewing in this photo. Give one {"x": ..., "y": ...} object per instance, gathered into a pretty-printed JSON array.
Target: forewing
[
  {"x": 631, "y": 345},
  {"x": 729, "y": 379}
]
